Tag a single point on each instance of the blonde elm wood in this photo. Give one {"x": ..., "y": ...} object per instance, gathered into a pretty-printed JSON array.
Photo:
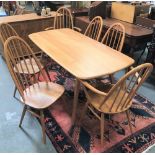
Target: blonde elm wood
[
  {"x": 115, "y": 36},
  {"x": 82, "y": 56},
  {"x": 119, "y": 97},
  {"x": 94, "y": 28},
  {"x": 38, "y": 95},
  {"x": 63, "y": 19},
  {"x": 6, "y": 31}
]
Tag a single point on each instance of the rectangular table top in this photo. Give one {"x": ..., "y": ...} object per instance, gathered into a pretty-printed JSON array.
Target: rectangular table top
[
  {"x": 24, "y": 17},
  {"x": 82, "y": 56}
]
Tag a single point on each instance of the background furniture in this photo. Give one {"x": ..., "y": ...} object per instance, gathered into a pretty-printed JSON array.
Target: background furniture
[
  {"x": 80, "y": 55},
  {"x": 134, "y": 35},
  {"x": 35, "y": 94},
  {"x": 116, "y": 98},
  {"x": 27, "y": 24},
  {"x": 128, "y": 12}
]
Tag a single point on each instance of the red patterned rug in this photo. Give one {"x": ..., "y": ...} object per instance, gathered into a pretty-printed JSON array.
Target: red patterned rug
[{"x": 86, "y": 138}]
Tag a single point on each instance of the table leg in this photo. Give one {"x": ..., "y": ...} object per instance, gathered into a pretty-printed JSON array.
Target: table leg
[{"x": 75, "y": 101}]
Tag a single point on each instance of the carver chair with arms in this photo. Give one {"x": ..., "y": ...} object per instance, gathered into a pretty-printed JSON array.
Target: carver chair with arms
[
  {"x": 6, "y": 31},
  {"x": 94, "y": 28},
  {"x": 63, "y": 19},
  {"x": 34, "y": 94},
  {"x": 117, "y": 98}
]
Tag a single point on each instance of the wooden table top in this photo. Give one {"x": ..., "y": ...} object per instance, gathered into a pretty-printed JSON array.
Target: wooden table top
[
  {"x": 82, "y": 56},
  {"x": 24, "y": 17},
  {"x": 131, "y": 30}
]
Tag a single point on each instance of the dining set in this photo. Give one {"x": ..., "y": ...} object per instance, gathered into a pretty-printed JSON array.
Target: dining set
[{"x": 86, "y": 56}]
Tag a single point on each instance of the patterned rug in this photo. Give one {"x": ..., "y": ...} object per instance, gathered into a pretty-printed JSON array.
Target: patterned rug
[{"x": 86, "y": 138}]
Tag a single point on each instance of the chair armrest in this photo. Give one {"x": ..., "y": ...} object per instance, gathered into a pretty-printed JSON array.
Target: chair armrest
[
  {"x": 49, "y": 28},
  {"x": 77, "y": 29},
  {"x": 86, "y": 84}
]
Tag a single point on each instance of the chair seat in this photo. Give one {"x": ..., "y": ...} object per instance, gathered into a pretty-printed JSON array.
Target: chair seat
[
  {"x": 97, "y": 99},
  {"x": 23, "y": 69},
  {"x": 41, "y": 95}
]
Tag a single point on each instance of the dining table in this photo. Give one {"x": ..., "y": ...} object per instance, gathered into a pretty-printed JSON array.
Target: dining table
[{"x": 80, "y": 55}]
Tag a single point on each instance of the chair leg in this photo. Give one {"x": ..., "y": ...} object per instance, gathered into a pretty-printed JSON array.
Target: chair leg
[
  {"x": 83, "y": 112},
  {"x": 111, "y": 78},
  {"x": 102, "y": 128},
  {"x": 43, "y": 126},
  {"x": 47, "y": 74},
  {"x": 128, "y": 117},
  {"x": 15, "y": 90},
  {"x": 23, "y": 114}
]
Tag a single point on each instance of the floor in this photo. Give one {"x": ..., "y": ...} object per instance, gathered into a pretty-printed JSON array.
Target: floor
[{"x": 13, "y": 138}]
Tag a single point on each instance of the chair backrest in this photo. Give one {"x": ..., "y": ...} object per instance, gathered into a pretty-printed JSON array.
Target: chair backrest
[
  {"x": 19, "y": 10},
  {"x": 114, "y": 37},
  {"x": 63, "y": 18},
  {"x": 94, "y": 28},
  {"x": 6, "y": 31},
  {"x": 121, "y": 94},
  {"x": 13, "y": 47}
]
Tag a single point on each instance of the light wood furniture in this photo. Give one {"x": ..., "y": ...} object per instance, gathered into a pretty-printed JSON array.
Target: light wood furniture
[
  {"x": 80, "y": 55},
  {"x": 28, "y": 23},
  {"x": 115, "y": 36},
  {"x": 63, "y": 21},
  {"x": 127, "y": 12},
  {"x": 19, "y": 10},
  {"x": 38, "y": 95},
  {"x": 117, "y": 98},
  {"x": 94, "y": 28},
  {"x": 7, "y": 31}
]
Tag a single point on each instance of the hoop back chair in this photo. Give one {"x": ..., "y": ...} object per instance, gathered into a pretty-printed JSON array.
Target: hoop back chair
[
  {"x": 118, "y": 97},
  {"x": 94, "y": 28},
  {"x": 37, "y": 95},
  {"x": 63, "y": 19},
  {"x": 115, "y": 36},
  {"x": 7, "y": 31}
]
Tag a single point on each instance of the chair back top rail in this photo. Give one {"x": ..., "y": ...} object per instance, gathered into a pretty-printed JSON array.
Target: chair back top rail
[
  {"x": 115, "y": 36},
  {"x": 94, "y": 28}
]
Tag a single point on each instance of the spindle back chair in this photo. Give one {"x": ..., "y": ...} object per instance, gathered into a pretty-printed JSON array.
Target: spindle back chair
[
  {"x": 94, "y": 28},
  {"x": 119, "y": 96},
  {"x": 63, "y": 19},
  {"x": 35, "y": 94},
  {"x": 22, "y": 68},
  {"x": 6, "y": 31},
  {"x": 115, "y": 36}
]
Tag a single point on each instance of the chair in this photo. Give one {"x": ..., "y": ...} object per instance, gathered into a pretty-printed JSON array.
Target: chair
[
  {"x": 94, "y": 28},
  {"x": 19, "y": 10},
  {"x": 7, "y": 31},
  {"x": 35, "y": 95},
  {"x": 117, "y": 98},
  {"x": 63, "y": 19},
  {"x": 114, "y": 37}
]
